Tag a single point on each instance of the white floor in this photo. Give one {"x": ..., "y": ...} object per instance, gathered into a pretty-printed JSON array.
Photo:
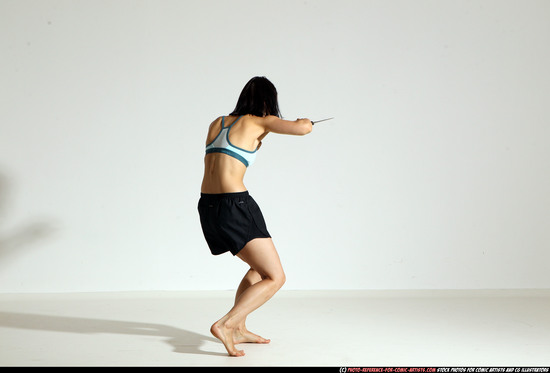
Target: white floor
[{"x": 314, "y": 328}]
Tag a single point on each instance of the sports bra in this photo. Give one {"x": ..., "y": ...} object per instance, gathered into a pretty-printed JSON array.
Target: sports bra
[{"x": 221, "y": 144}]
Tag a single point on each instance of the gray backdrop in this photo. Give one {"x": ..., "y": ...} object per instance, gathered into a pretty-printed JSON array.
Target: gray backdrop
[{"x": 434, "y": 174}]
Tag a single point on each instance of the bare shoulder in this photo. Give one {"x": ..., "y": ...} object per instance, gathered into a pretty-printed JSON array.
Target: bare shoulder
[
  {"x": 267, "y": 122},
  {"x": 252, "y": 119},
  {"x": 272, "y": 123},
  {"x": 254, "y": 123},
  {"x": 213, "y": 129},
  {"x": 214, "y": 126},
  {"x": 215, "y": 121}
]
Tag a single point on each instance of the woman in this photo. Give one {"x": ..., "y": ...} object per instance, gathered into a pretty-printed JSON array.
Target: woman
[{"x": 230, "y": 219}]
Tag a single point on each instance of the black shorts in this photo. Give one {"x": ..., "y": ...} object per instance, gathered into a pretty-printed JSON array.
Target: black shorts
[{"x": 230, "y": 220}]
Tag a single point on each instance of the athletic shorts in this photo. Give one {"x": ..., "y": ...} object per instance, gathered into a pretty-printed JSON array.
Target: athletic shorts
[{"x": 230, "y": 220}]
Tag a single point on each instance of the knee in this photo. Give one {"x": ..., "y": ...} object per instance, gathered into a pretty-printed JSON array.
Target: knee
[{"x": 279, "y": 280}]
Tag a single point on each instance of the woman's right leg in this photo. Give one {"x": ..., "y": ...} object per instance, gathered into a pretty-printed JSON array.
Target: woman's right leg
[{"x": 263, "y": 258}]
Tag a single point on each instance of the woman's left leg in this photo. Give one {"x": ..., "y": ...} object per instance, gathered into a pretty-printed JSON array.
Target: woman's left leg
[
  {"x": 261, "y": 255},
  {"x": 242, "y": 334},
  {"x": 249, "y": 279}
]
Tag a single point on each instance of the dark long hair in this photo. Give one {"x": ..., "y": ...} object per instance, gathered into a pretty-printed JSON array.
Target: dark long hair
[{"x": 259, "y": 98}]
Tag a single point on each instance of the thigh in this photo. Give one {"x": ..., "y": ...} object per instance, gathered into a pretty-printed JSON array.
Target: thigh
[{"x": 260, "y": 254}]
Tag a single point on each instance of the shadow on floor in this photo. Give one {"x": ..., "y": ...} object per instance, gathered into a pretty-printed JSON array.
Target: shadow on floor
[{"x": 182, "y": 341}]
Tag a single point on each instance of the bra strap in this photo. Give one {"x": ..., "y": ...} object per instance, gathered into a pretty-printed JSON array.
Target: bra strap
[{"x": 235, "y": 121}]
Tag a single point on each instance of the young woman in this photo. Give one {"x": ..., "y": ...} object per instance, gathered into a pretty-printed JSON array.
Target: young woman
[{"x": 230, "y": 218}]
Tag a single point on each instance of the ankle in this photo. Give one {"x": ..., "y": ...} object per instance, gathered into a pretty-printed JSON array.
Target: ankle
[{"x": 228, "y": 323}]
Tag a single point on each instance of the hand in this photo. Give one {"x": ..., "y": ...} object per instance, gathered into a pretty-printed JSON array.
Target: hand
[{"x": 307, "y": 125}]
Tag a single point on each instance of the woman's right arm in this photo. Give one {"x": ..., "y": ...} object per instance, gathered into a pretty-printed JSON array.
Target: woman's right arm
[{"x": 298, "y": 127}]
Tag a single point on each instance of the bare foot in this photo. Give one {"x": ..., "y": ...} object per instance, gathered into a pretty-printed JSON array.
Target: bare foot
[
  {"x": 225, "y": 335},
  {"x": 242, "y": 335}
]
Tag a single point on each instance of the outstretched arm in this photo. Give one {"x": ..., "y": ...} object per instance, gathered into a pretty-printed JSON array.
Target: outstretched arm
[{"x": 298, "y": 127}]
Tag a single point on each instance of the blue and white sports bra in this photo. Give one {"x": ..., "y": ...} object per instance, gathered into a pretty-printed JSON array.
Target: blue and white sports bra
[{"x": 221, "y": 144}]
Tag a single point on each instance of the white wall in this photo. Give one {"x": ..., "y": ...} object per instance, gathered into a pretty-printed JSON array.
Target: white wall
[{"x": 434, "y": 174}]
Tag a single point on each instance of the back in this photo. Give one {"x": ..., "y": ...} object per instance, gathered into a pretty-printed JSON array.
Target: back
[{"x": 224, "y": 170}]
